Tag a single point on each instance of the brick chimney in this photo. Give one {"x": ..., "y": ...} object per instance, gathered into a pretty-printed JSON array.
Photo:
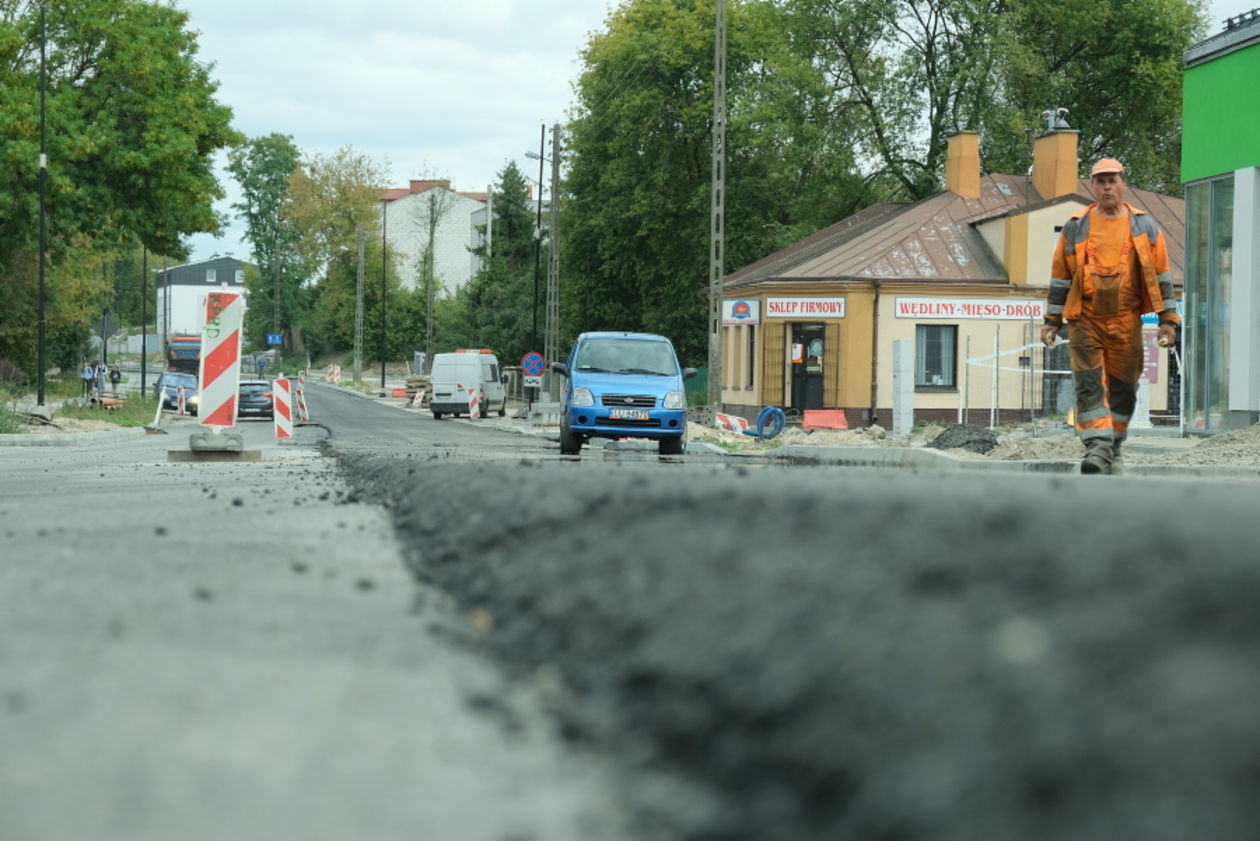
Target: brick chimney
[
  {"x": 962, "y": 164},
  {"x": 1056, "y": 169}
]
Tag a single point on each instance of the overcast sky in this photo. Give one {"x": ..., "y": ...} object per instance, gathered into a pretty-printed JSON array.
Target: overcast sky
[{"x": 430, "y": 88}]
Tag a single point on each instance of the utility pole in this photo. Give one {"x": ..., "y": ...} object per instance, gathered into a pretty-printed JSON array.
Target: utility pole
[
  {"x": 358, "y": 315},
  {"x": 542, "y": 139},
  {"x": 144, "y": 317},
  {"x": 275, "y": 270},
  {"x": 384, "y": 275},
  {"x": 552, "y": 323},
  {"x": 43, "y": 180},
  {"x": 717, "y": 208}
]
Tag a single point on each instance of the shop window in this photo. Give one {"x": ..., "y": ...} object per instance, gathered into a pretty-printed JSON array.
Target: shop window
[{"x": 935, "y": 348}]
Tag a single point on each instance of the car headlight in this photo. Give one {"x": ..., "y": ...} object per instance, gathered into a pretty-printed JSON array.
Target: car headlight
[
  {"x": 194, "y": 400},
  {"x": 582, "y": 397},
  {"x": 674, "y": 400}
]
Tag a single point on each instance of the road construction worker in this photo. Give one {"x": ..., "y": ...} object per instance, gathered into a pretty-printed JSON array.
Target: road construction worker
[{"x": 1110, "y": 266}]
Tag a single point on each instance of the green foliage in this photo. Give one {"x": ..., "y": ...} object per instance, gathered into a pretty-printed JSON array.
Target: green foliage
[
  {"x": 263, "y": 167},
  {"x": 636, "y": 225},
  {"x": 1118, "y": 69},
  {"x": 132, "y": 129},
  {"x": 136, "y": 410},
  {"x": 498, "y": 302}
]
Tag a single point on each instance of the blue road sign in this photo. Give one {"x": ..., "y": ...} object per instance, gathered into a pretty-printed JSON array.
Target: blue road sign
[
  {"x": 275, "y": 338},
  {"x": 533, "y": 364}
]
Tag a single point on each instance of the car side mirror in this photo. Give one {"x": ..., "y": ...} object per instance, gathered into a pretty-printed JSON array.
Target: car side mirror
[
  {"x": 560, "y": 368},
  {"x": 688, "y": 373}
]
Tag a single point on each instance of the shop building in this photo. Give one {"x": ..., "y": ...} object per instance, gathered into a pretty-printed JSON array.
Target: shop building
[
  {"x": 957, "y": 280},
  {"x": 1220, "y": 165}
]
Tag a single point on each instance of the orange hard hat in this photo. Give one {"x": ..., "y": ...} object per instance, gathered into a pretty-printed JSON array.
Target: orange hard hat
[{"x": 1107, "y": 165}]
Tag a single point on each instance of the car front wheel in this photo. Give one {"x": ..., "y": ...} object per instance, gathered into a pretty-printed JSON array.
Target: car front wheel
[
  {"x": 672, "y": 446},
  {"x": 570, "y": 443}
]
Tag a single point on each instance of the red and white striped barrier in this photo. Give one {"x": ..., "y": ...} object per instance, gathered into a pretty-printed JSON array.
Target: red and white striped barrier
[
  {"x": 474, "y": 403},
  {"x": 282, "y": 408},
  {"x": 180, "y": 405},
  {"x": 303, "y": 415},
  {"x": 731, "y": 423},
  {"x": 221, "y": 358}
]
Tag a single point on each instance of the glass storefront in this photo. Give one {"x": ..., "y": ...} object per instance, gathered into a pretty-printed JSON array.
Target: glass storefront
[{"x": 1208, "y": 276}]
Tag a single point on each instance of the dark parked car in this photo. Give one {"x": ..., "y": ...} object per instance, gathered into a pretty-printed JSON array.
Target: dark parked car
[
  {"x": 167, "y": 390},
  {"x": 255, "y": 400}
]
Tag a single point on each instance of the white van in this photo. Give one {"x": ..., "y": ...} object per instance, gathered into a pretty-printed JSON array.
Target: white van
[{"x": 456, "y": 376}]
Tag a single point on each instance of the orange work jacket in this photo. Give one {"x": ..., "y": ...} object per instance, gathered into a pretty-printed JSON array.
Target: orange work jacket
[{"x": 1067, "y": 272}]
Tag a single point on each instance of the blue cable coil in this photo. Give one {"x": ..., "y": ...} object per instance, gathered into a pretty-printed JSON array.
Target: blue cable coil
[{"x": 769, "y": 423}]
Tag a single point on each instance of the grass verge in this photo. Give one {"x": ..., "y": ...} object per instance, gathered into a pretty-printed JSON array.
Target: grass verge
[{"x": 135, "y": 411}]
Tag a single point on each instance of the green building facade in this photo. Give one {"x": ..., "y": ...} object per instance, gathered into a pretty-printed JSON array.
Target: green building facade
[{"x": 1220, "y": 166}]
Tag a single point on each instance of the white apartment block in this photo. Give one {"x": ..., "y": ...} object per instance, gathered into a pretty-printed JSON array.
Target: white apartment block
[{"x": 407, "y": 213}]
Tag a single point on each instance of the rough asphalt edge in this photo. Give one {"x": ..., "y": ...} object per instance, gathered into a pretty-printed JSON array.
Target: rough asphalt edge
[{"x": 1044, "y": 778}]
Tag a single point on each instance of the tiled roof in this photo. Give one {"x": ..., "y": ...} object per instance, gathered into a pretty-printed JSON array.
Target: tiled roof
[{"x": 934, "y": 239}]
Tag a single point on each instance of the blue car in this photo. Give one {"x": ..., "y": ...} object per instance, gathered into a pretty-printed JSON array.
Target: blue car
[{"x": 623, "y": 385}]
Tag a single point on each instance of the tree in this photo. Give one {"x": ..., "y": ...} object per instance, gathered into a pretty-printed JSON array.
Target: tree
[
  {"x": 636, "y": 212},
  {"x": 263, "y": 167},
  {"x": 1118, "y": 70},
  {"x": 909, "y": 72},
  {"x": 132, "y": 130},
  {"x": 498, "y": 300},
  {"x": 331, "y": 199}
]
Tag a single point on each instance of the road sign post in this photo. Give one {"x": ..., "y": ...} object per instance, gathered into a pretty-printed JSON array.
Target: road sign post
[{"x": 532, "y": 366}]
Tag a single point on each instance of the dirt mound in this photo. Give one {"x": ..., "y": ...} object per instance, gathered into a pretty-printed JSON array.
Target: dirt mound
[
  {"x": 1027, "y": 448},
  {"x": 966, "y": 436}
]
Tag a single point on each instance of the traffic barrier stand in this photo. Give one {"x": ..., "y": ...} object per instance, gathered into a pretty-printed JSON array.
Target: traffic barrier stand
[
  {"x": 730, "y": 423},
  {"x": 220, "y": 381},
  {"x": 180, "y": 406},
  {"x": 336, "y": 374},
  {"x": 157, "y": 416},
  {"x": 474, "y": 404},
  {"x": 282, "y": 405},
  {"x": 304, "y": 416},
  {"x": 221, "y": 359}
]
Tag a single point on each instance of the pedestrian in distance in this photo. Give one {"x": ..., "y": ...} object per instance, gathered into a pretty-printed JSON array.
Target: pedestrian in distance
[
  {"x": 101, "y": 371},
  {"x": 115, "y": 378},
  {"x": 1110, "y": 266},
  {"x": 87, "y": 373}
]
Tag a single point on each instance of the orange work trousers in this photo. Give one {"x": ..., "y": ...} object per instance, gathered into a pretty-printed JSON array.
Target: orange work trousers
[{"x": 1106, "y": 356}]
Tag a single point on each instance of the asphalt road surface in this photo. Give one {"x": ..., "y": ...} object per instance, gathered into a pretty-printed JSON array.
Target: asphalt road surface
[{"x": 627, "y": 646}]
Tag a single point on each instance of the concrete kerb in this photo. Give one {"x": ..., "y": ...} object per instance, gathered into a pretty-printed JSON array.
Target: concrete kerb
[{"x": 70, "y": 439}]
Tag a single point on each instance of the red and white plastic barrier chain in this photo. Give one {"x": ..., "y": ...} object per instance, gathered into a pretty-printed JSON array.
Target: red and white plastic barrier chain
[
  {"x": 282, "y": 408},
  {"x": 731, "y": 423},
  {"x": 221, "y": 358}
]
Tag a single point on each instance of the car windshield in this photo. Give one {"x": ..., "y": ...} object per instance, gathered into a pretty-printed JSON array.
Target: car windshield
[
  {"x": 176, "y": 380},
  {"x": 254, "y": 386},
  {"x": 627, "y": 356}
]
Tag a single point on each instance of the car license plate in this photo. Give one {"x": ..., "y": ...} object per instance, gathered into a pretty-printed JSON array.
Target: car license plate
[{"x": 629, "y": 414}]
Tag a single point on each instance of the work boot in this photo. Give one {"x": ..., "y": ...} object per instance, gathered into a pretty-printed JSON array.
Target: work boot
[
  {"x": 1097, "y": 460},
  {"x": 1117, "y": 461}
]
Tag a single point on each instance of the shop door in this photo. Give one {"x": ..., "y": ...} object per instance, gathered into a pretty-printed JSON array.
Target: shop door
[{"x": 808, "y": 360}]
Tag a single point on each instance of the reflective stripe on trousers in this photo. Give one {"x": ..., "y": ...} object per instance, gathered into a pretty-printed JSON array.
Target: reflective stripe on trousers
[{"x": 1107, "y": 358}]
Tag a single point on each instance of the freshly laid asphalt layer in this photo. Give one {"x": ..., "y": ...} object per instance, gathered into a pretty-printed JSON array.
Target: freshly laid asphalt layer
[{"x": 847, "y": 653}]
